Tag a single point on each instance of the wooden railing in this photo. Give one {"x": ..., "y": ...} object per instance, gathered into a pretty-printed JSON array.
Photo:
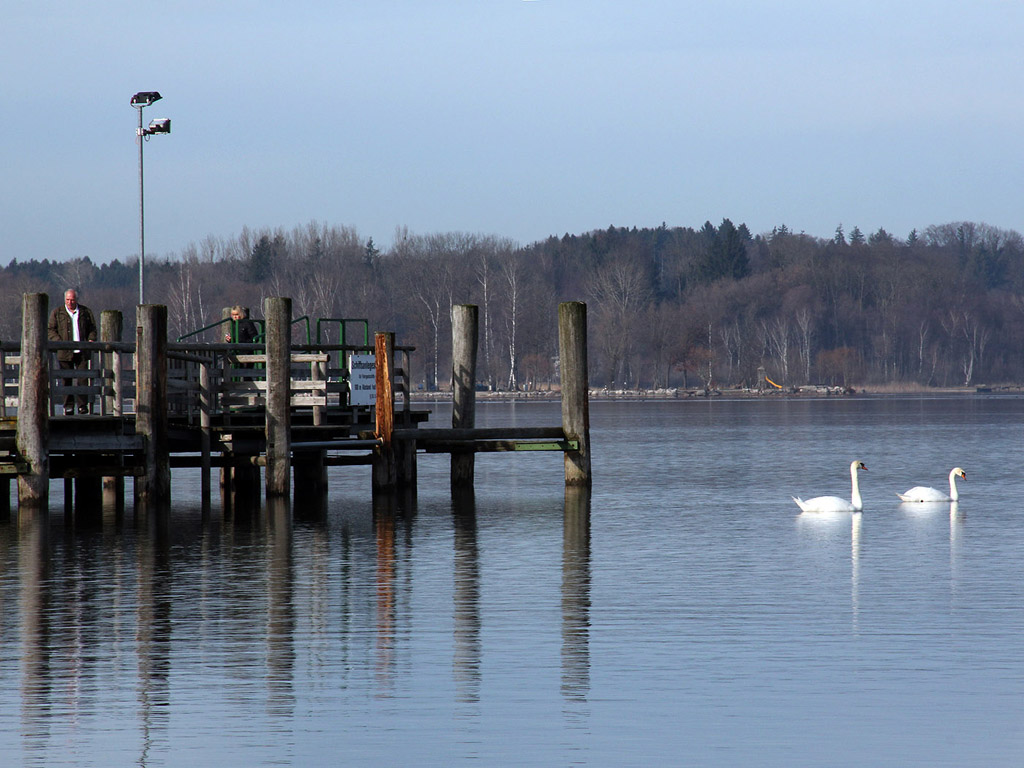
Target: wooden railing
[{"x": 215, "y": 378}]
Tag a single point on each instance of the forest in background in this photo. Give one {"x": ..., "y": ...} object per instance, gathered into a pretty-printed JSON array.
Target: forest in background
[{"x": 667, "y": 306}]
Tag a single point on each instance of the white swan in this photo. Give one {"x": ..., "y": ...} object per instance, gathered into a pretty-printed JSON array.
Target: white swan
[
  {"x": 920, "y": 493},
  {"x": 834, "y": 503}
]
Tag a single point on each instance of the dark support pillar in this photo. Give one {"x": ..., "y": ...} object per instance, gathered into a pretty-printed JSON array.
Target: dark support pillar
[
  {"x": 572, "y": 343},
  {"x": 278, "y": 315},
  {"x": 33, "y": 408},
  {"x": 384, "y": 471},
  {"x": 153, "y": 488},
  {"x": 464, "y": 344},
  {"x": 310, "y": 478},
  {"x": 88, "y": 500}
]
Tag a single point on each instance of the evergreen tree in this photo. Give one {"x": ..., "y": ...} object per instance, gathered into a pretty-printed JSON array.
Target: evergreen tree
[
  {"x": 725, "y": 252},
  {"x": 370, "y": 254},
  {"x": 261, "y": 260},
  {"x": 879, "y": 237}
]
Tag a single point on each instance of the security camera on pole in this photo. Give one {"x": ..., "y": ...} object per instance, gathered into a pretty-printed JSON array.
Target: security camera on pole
[{"x": 141, "y": 100}]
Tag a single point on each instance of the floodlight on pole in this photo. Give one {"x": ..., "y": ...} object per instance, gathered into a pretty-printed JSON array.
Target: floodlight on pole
[{"x": 141, "y": 100}]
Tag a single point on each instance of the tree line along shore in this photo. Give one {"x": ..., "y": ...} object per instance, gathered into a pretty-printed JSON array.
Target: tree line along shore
[{"x": 670, "y": 309}]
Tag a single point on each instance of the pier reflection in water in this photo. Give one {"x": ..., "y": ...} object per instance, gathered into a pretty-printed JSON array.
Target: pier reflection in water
[
  {"x": 658, "y": 622},
  {"x": 139, "y": 640}
]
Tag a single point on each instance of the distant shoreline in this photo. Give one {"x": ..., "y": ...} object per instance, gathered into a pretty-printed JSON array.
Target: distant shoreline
[{"x": 679, "y": 393}]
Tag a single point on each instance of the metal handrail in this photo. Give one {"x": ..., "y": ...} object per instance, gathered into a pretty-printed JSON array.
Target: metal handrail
[
  {"x": 343, "y": 328},
  {"x": 301, "y": 319},
  {"x": 261, "y": 331}
]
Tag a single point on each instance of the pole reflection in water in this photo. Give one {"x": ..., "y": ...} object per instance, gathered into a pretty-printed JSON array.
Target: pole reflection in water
[
  {"x": 576, "y": 595},
  {"x": 280, "y": 609},
  {"x": 34, "y": 607},
  {"x": 388, "y": 510},
  {"x": 153, "y": 633},
  {"x": 466, "y": 665}
]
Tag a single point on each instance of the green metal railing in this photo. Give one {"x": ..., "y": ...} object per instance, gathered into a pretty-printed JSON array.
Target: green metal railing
[
  {"x": 324, "y": 324},
  {"x": 261, "y": 330},
  {"x": 304, "y": 319}
]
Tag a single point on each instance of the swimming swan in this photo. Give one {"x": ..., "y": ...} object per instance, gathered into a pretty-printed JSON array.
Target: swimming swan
[
  {"x": 834, "y": 503},
  {"x": 920, "y": 493}
]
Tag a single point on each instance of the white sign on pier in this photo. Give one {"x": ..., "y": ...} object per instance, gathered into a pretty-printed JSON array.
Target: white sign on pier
[{"x": 363, "y": 379}]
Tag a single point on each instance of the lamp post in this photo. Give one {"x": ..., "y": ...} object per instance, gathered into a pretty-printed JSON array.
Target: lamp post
[{"x": 141, "y": 100}]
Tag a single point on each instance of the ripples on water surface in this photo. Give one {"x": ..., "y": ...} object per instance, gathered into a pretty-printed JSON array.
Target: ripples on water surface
[{"x": 698, "y": 619}]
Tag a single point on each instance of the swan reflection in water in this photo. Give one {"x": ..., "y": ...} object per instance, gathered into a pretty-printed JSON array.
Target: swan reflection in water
[
  {"x": 824, "y": 525},
  {"x": 957, "y": 518}
]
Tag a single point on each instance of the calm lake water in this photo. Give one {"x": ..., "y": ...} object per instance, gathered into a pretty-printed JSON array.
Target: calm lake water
[{"x": 689, "y": 614}]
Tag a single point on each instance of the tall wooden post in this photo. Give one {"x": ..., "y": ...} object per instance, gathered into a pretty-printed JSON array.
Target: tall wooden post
[
  {"x": 153, "y": 488},
  {"x": 278, "y": 315},
  {"x": 405, "y": 450},
  {"x": 205, "y": 432},
  {"x": 464, "y": 344},
  {"x": 384, "y": 471},
  {"x": 308, "y": 468},
  {"x": 34, "y": 407},
  {"x": 5, "y": 480},
  {"x": 111, "y": 326},
  {"x": 572, "y": 343}
]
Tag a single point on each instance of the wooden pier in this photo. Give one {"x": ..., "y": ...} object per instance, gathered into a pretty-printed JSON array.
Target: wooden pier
[{"x": 284, "y": 409}]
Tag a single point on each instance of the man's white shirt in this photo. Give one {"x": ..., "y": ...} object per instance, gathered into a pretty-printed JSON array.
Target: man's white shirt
[{"x": 74, "y": 325}]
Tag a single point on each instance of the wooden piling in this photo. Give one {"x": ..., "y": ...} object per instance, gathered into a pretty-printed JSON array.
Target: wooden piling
[
  {"x": 464, "y": 347},
  {"x": 572, "y": 342},
  {"x": 278, "y": 315},
  {"x": 309, "y": 469},
  {"x": 5, "y": 480},
  {"x": 205, "y": 434},
  {"x": 405, "y": 450},
  {"x": 111, "y": 327},
  {"x": 33, "y": 429},
  {"x": 153, "y": 487},
  {"x": 384, "y": 470}
]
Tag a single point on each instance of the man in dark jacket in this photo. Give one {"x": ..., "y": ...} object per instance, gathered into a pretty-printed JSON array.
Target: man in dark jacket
[
  {"x": 242, "y": 330},
  {"x": 72, "y": 322},
  {"x": 246, "y": 327}
]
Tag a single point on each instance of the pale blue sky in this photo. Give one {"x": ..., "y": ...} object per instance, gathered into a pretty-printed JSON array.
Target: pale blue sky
[{"x": 505, "y": 117}]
